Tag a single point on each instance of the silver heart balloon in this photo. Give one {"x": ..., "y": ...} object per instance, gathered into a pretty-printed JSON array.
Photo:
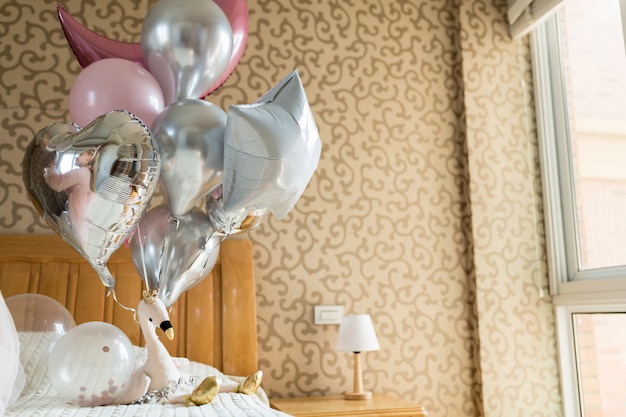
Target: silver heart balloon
[
  {"x": 190, "y": 134},
  {"x": 92, "y": 185},
  {"x": 174, "y": 254},
  {"x": 186, "y": 45}
]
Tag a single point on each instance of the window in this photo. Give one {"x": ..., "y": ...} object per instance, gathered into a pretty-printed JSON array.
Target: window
[
  {"x": 579, "y": 62},
  {"x": 601, "y": 360}
]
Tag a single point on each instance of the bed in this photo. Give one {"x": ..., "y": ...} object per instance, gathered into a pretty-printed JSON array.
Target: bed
[{"x": 215, "y": 322}]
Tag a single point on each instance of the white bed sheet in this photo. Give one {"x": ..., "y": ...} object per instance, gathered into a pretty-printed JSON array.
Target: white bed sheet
[{"x": 40, "y": 399}]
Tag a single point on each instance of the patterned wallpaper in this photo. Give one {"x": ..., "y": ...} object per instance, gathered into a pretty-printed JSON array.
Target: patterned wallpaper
[{"x": 425, "y": 211}]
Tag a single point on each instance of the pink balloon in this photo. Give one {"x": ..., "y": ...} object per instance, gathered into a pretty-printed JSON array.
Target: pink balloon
[
  {"x": 89, "y": 47},
  {"x": 115, "y": 84}
]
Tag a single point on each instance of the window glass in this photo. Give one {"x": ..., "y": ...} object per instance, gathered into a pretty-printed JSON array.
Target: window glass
[
  {"x": 595, "y": 75},
  {"x": 601, "y": 361},
  {"x": 579, "y": 64}
]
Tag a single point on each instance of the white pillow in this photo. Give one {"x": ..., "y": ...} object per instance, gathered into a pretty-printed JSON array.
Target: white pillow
[{"x": 12, "y": 377}]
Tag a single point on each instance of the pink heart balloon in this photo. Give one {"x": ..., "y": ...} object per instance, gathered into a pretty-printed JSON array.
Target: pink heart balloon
[
  {"x": 237, "y": 13},
  {"x": 92, "y": 185},
  {"x": 89, "y": 46}
]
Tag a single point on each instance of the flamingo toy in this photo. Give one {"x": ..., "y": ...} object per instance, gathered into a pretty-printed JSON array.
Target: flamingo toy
[{"x": 160, "y": 368}]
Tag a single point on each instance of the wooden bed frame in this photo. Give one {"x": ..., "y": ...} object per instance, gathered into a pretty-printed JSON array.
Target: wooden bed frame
[{"x": 214, "y": 322}]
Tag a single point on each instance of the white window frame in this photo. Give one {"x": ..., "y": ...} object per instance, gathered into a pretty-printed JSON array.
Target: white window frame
[{"x": 574, "y": 291}]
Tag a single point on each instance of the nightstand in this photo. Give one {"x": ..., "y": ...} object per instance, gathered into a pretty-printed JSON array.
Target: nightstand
[{"x": 379, "y": 406}]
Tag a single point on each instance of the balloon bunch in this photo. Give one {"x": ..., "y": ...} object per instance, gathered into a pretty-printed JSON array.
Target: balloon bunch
[{"x": 147, "y": 124}]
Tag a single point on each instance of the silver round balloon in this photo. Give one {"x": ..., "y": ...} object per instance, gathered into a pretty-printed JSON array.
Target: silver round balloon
[
  {"x": 92, "y": 185},
  {"x": 186, "y": 45},
  {"x": 190, "y": 134},
  {"x": 174, "y": 254}
]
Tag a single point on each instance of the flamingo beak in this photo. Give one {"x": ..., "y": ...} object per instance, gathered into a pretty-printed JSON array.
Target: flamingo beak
[{"x": 166, "y": 326}]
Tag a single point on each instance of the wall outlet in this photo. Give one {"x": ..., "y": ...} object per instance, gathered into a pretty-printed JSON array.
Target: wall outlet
[{"x": 328, "y": 314}]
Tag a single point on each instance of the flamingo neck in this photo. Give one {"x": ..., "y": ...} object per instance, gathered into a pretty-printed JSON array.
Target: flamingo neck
[{"x": 149, "y": 334}]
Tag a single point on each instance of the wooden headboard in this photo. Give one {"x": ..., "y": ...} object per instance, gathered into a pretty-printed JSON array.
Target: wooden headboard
[{"x": 214, "y": 322}]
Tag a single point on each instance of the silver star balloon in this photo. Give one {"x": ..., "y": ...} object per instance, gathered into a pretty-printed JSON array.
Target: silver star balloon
[{"x": 271, "y": 150}]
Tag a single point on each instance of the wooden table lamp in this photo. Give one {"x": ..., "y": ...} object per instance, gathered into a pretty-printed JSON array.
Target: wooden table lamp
[{"x": 356, "y": 334}]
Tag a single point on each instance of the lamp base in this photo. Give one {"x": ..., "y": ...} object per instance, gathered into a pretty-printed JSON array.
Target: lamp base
[{"x": 365, "y": 395}]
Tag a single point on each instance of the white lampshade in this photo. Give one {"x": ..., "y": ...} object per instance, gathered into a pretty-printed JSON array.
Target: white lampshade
[{"x": 356, "y": 334}]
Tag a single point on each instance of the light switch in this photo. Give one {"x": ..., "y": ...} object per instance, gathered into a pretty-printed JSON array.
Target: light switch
[{"x": 328, "y": 314}]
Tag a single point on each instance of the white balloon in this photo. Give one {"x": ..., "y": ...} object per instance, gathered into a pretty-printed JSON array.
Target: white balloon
[
  {"x": 39, "y": 313},
  {"x": 91, "y": 364}
]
